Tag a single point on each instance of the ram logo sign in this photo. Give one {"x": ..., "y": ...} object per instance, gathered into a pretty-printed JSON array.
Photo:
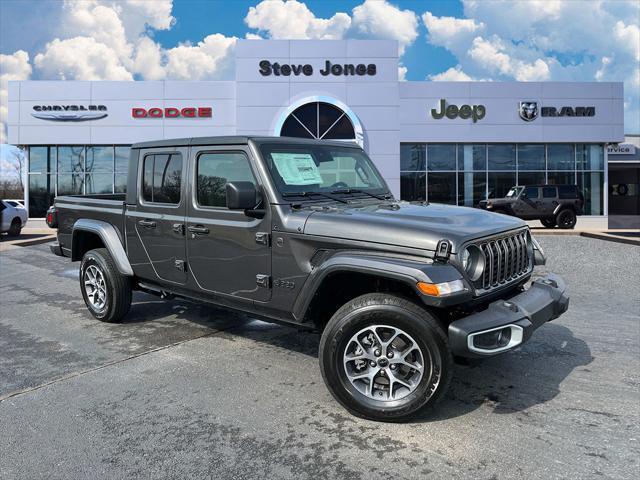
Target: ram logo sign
[{"x": 528, "y": 111}]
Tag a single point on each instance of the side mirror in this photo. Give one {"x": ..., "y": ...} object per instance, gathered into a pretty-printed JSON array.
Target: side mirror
[{"x": 241, "y": 195}]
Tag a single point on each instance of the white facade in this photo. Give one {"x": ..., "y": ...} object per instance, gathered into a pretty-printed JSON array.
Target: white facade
[{"x": 387, "y": 112}]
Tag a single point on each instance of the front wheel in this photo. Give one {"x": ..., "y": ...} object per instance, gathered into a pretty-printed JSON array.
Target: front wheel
[
  {"x": 106, "y": 292},
  {"x": 384, "y": 357},
  {"x": 548, "y": 222},
  {"x": 566, "y": 219}
]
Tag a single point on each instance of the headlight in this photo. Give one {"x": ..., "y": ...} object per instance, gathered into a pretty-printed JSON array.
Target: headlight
[
  {"x": 539, "y": 258},
  {"x": 472, "y": 260}
]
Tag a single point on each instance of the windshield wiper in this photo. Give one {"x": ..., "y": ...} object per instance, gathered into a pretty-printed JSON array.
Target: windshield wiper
[
  {"x": 308, "y": 194},
  {"x": 355, "y": 190}
]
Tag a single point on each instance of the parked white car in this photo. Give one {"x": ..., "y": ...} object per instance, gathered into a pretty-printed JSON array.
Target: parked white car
[{"x": 13, "y": 217}]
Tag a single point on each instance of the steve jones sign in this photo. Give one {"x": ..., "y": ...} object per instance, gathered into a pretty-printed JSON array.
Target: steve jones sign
[{"x": 267, "y": 68}]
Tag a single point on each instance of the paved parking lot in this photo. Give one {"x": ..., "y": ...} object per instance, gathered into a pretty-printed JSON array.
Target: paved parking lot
[{"x": 186, "y": 391}]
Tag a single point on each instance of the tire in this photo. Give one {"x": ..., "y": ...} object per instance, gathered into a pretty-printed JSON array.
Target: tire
[
  {"x": 115, "y": 288},
  {"x": 15, "y": 228},
  {"x": 548, "y": 222},
  {"x": 390, "y": 314},
  {"x": 566, "y": 219}
]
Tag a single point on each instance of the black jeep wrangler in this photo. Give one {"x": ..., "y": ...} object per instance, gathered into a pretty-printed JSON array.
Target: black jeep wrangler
[{"x": 551, "y": 204}]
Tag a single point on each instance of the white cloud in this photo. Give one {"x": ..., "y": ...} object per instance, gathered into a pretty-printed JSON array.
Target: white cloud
[
  {"x": 81, "y": 58},
  {"x": 293, "y": 20},
  {"x": 402, "y": 73},
  {"x": 112, "y": 42},
  {"x": 450, "y": 32},
  {"x": 453, "y": 74},
  {"x": 536, "y": 40},
  {"x": 12, "y": 67},
  {"x": 147, "y": 60},
  {"x": 211, "y": 58},
  {"x": 379, "y": 19},
  {"x": 492, "y": 54}
]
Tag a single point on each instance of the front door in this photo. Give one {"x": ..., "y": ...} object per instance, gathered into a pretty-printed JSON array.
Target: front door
[
  {"x": 528, "y": 204},
  {"x": 228, "y": 252},
  {"x": 158, "y": 218}
]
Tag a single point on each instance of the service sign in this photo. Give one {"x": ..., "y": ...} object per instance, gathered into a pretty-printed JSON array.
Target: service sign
[{"x": 621, "y": 149}]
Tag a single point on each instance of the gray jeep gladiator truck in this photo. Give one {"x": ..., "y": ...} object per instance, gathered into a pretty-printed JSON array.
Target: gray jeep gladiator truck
[{"x": 307, "y": 232}]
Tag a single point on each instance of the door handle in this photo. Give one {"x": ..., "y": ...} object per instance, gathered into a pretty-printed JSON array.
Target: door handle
[
  {"x": 198, "y": 230},
  {"x": 178, "y": 228},
  {"x": 147, "y": 223}
]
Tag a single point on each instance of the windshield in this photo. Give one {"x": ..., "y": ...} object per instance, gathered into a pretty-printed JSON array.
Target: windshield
[
  {"x": 514, "y": 191},
  {"x": 321, "y": 168}
]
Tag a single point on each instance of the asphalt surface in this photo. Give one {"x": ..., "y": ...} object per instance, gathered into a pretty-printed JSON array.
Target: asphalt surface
[{"x": 186, "y": 391}]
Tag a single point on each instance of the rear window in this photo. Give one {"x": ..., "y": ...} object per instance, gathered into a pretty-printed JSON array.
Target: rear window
[
  {"x": 549, "y": 192},
  {"x": 567, "y": 191},
  {"x": 162, "y": 178}
]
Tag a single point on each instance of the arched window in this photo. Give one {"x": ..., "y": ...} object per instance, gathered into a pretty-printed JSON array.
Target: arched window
[{"x": 320, "y": 118}]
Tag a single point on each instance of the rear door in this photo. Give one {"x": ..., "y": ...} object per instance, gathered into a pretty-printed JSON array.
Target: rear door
[
  {"x": 549, "y": 200},
  {"x": 229, "y": 252},
  {"x": 159, "y": 216}
]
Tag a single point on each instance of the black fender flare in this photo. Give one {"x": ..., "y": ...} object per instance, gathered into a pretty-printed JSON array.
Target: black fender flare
[
  {"x": 110, "y": 238},
  {"x": 408, "y": 270}
]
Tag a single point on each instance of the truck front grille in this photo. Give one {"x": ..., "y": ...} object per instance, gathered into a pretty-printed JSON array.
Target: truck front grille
[{"x": 507, "y": 259}]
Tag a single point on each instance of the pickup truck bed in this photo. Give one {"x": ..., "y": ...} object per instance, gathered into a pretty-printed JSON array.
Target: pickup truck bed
[{"x": 108, "y": 208}]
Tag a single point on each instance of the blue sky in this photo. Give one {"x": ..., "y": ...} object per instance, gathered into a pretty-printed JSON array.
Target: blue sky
[{"x": 454, "y": 40}]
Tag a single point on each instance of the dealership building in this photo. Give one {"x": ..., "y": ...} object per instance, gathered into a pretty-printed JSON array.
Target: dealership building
[{"x": 445, "y": 142}]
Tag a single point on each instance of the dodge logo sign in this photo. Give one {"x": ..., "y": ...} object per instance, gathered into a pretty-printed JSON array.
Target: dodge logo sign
[
  {"x": 528, "y": 111},
  {"x": 171, "y": 112}
]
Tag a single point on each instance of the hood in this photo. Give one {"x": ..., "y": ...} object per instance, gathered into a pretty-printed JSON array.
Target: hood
[
  {"x": 500, "y": 201},
  {"x": 409, "y": 225}
]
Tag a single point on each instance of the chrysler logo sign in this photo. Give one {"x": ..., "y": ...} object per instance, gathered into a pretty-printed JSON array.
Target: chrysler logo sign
[
  {"x": 69, "y": 113},
  {"x": 528, "y": 111}
]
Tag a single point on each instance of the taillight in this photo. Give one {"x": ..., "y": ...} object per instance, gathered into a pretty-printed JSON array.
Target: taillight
[{"x": 52, "y": 218}]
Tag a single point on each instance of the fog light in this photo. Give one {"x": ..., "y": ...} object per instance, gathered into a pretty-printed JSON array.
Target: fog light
[
  {"x": 440, "y": 289},
  {"x": 493, "y": 340}
]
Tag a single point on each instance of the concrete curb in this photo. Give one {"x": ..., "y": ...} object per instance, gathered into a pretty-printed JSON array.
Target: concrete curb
[
  {"x": 612, "y": 238},
  {"x": 28, "y": 242}
]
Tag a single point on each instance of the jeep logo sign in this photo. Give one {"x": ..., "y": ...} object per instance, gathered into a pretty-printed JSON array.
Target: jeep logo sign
[{"x": 475, "y": 112}]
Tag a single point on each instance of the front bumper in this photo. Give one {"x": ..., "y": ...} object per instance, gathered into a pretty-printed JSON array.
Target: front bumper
[{"x": 511, "y": 322}]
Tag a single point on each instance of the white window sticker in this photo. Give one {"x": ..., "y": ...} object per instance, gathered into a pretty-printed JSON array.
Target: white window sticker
[{"x": 297, "y": 168}]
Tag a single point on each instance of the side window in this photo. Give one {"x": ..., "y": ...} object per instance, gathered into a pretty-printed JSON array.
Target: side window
[
  {"x": 567, "y": 192},
  {"x": 531, "y": 192},
  {"x": 549, "y": 192},
  {"x": 214, "y": 170},
  {"x": 162, "y": 178}
]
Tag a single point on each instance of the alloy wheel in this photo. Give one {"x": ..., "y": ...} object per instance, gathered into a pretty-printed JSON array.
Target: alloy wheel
[
  {"x": 385, "y": 363},
  {"x": 95, "y": 287}
]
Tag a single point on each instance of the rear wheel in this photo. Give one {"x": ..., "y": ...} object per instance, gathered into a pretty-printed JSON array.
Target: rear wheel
[
  {"x": 15, "y": 228},
  {"x": 106, "y": 292},
  {"x": 548, "y": 222},
  {"x": 384, "y": 357},
  {"x": 566, "y": 219}
]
